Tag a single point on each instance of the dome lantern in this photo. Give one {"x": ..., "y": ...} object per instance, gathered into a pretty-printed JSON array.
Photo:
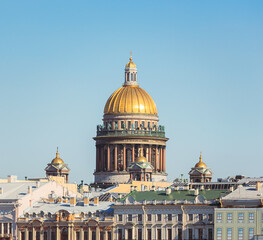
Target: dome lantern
[{"x": 130, "y": 73}]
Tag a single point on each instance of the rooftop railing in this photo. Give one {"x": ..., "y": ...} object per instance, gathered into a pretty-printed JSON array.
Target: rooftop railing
[{"x": 158, "y": 132}]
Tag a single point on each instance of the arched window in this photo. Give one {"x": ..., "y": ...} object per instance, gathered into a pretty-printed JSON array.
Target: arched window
[
  {"x": 128, "y": 76},
  {"x": 131, "y": 76}
]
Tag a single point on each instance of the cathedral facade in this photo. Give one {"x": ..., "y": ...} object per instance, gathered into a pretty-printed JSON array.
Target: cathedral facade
[{"x": 130, "y": 125}]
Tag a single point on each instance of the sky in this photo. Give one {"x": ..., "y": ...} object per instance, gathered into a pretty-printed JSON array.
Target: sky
[{"x": 201, "y": 61}]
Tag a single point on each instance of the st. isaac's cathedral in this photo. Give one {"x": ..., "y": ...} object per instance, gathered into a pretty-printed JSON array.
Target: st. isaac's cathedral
[{"x": 130, "y": 144}]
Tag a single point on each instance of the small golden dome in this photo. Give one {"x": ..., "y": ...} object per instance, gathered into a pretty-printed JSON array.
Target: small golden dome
[
  {"x": 57, "y": 160},
  {"x": 141, "y": 158},
  {"x": 130, "y": 99},
  {"x": 131, "y": 64},
  {"x": 200, "y": 164}
]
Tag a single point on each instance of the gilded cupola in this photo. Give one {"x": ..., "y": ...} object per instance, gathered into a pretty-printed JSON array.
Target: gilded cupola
[
  {"x": 57, "y": 159},
  {"x": 200, "y": 164}
]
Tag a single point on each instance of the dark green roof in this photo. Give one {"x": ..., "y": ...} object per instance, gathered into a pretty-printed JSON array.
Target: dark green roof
[{"x": 176, "y": 195}]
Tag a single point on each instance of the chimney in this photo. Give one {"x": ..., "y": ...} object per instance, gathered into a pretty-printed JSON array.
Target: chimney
[
  {"x": 132, "y": 188},
  {"x": 96, "y": 201},
  {"x": 258, "y": 186},
  {"x": 1, "y": 190},
  {"x": 168, "y": 191},
  {"x": 196, "y": 193},
  {"x": 153, "y": 188},
  {"x": 11, "y": 179},
  {"x": 37, "y": 184},
  {"x": 231, "y": 189},
  {"x": 86, "y": 201},
  {"x": 29, "y": 189},
  {"x": 72, "y": 201}
]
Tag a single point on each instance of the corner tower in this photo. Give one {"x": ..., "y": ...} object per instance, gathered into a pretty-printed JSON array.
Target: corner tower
[{"x": 130, "y": 123}]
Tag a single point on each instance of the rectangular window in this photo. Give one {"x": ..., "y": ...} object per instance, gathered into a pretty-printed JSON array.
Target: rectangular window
[
  {"x": 190, "y": 234},
  {"x": 200, "y": 216},
  {"x": 229, "y": 217},
  {"x": 159, "y": 234},
  {"x": 93, "y": 235},
  {"x": 159, "y": 217},
  {"x": 139, "y": 217},
  {"x": 251, "y": 217},
  {"x": 85, "y": 235},
  {"x": 136, "y": 125},
  {"x": 190, "y": 216},
  {"x": 250, "y": 233},
  {"x": 149, "y": 234},
  {"x": 23, "y": 237},
  {"x": 129, "y": 125},
  {"x": 200, "y": 233},
  {"x": 129, "y": 217},
  {"x": 229, "y": 234},
  {"x": 139, "y": 234},
  {"x": 241, "y": 217},
  {"x": 120, "y": 218},
  {"x": 119, "y": 234},
  {"x": 240, "y": 234},
  {"x": 45, "y": 235},
  {"x": 38, "y": 235},
  {"x": 129, "y": 233},
  {"x": 180, "y": 234},
  {"x": 210, "y": 234},
  {"x": 210, "y": 217},
  {"x": 219, "y": 233},
  {"x": 169, "y": 233},
  {"x": 219, "y": 217},
  {"x": 149, "y": 217},
  {"x": 169, "y": 217},
  {"x": 180, "y": 218},
  {"x": 109, "y": 235},
  {"x": 5, "y": 228}
]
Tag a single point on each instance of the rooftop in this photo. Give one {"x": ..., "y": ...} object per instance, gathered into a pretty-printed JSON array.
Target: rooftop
[{"x": 176, "y": 195}]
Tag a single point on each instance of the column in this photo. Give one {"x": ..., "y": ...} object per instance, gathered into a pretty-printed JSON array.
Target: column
[
  {"x": 97, "y": 233},
  {"x": 89, "y": 234},
  {"x": 58, "y": 233},
  {"x": 2, "y": 228},
  {"x": 164, "y": 159},
  {"x": 124, "y": 157},
  {"x": 150, "y": 154},
  {"x": 156, "y": 161},
  {"x": 69, "y": 233},
  {"x": 108, "y": 158},
  {"x": 81, "y": 234},
  {"x": 133, "y": 152},
  {"x": 33, "y": 233},
  {"x": 102, "y": 159},
  {"x": 49, "y": 233},
  {"x": 19, "y": 234},
  {"x": 26, "y": 234},
  {"x": 105, "y": 235},
  {"x": 161, "y": 158},
  {"x": 41, "y": 233},
  {"x": 97, "y": 158},
  {"x": 115, "y": 158}
]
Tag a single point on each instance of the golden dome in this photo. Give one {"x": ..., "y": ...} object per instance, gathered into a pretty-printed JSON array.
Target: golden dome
[
  {"x": 57, "y": 160},
  {"x": 130, "y": 64},
  {"x": 200, "y": 164},
  {"x": 141, "y": 158},
  {"x": 130, "y": 99}
]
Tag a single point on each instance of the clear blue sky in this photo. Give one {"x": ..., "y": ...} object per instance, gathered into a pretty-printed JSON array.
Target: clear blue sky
[{"x": 201, "y": 61}]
